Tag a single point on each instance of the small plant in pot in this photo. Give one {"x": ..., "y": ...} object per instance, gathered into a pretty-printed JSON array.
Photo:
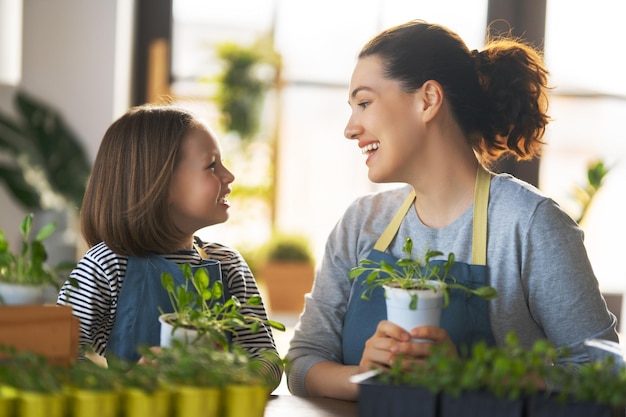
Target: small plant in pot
[
  {"x": 200, "y": 314},
  {"x": 24, "y": 274},
  {"x": 416, "y": 288}
]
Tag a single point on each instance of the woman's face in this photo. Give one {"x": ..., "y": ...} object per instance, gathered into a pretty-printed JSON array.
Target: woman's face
[
  {"x": 386, "y": 122},
  {"x": 200, "y": 184}
]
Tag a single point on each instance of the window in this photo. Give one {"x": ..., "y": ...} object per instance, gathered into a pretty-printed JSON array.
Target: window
[
  {"x": 585, "y": 55},
  {"x": 320, "y": 172}
]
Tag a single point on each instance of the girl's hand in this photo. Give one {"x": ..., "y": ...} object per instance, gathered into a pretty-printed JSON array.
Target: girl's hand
[
  {"x": 144, "y": 361},
  {"x": 390, "y": 340}
]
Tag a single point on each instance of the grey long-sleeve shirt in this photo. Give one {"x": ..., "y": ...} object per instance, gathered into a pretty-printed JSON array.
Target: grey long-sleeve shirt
[{"x": 535, "y": 256}]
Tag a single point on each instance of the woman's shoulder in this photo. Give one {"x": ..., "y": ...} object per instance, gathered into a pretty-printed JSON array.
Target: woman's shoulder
[{"x": 513, "y": 197}]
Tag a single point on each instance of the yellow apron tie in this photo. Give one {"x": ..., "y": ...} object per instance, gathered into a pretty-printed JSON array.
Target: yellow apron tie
[{"x": 479, "y": 225}]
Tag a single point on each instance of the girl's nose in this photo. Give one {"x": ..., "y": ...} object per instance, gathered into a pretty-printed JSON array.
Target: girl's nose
[{"x": 228, "y": 176}]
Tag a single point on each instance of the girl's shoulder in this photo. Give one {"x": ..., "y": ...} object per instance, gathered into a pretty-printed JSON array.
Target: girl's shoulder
[
  {"x": 218, "y": 251},
  {"x": 101, "y": 254}
]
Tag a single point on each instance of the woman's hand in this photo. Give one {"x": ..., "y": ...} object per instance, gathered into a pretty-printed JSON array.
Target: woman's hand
[{"x": 390, "y": 341}]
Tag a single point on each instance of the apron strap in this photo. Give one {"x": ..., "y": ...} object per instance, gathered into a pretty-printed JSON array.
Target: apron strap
[
  {"x": 479, "y": 225},
  {"x": 481, "y": 203},
  {"x": 392, "y": 228},
  {"x": 200, "y": 251}
]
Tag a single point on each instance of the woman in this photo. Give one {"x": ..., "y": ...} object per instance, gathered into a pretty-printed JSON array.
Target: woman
[{"x": 430, "y": 113}]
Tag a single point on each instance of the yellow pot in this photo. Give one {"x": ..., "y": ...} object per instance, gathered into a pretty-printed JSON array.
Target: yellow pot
[
  {"x": 8, "y": 397},
  {"x": 84, "y": 403},
  {"x": 196, "y": 401},
  {"x": 245, "y": 400},
  {"x": 138, "y": 403},
  {"x": 35, "y": 404}
]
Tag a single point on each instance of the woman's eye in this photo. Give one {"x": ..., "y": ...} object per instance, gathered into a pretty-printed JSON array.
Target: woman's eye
[
  {"x": 212, "y": 165},
  {"x": 364, "y": 104}
]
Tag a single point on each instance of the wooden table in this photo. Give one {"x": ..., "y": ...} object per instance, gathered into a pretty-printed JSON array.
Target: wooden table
[{"x": 292, "y": 406}]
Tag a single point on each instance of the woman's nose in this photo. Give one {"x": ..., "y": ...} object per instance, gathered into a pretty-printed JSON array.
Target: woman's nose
[{"x": 352, "y": 130}]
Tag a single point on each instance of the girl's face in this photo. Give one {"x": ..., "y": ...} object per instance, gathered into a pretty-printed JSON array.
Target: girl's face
[
  {"x": 385, "y": 121},
  {"x": 200, "y": 183}
]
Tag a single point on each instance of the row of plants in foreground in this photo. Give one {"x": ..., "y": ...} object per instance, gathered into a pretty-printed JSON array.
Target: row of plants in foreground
[
  {"x": 498, "y": 381},
  {"x": 177, "y": 381}
]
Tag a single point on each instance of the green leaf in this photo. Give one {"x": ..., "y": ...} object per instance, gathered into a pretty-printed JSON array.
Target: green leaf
[{"x": 46, "y": 231}]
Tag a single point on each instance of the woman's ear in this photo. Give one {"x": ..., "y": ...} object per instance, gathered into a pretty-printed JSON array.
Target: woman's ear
[{"x": 431, "y": 99}]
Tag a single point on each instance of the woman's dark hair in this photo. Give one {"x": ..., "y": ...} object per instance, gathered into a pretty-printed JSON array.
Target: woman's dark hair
[
  {"x": 498, "y": 96},
  {"x": 126, "y": 203}
]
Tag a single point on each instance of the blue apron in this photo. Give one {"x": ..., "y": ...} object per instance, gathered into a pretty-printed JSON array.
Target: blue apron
[
  {"x": 142, "y": 294},
  {"x": 466, "y": 319}
]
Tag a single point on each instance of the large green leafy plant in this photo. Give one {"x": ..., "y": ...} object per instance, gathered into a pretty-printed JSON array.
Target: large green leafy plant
[{"x": 42, "y": 162}]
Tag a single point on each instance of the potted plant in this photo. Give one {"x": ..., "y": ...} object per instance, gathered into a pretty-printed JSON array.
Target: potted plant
[
  {"x": 92, "y": 390},
  {"x": 142, "y": 387},
  {"x": 498, "y": 381},
  {"x": 287, "y": 271},
  {"x": 34, "y": 383},
  {"x": 196, "y": 375},
  {"x": 245, "y": 392},
  {"x": 199, "y": 312},
  {"x": 416, "y": 288},
  {"x": 24, "y": 274}
]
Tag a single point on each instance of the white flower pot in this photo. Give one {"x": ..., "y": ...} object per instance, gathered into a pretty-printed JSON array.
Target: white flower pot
[
  {"x": 428, "y": 312},
  {"x": 168, "y": 333},
  {"x": 20, "y": 294}
]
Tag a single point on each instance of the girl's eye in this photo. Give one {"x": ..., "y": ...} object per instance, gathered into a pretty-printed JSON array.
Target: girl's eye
[{"x": 212, "y": 165}]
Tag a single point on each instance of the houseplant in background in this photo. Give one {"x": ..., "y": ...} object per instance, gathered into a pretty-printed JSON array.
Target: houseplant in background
[
  {"x": 416, "y": 288},
  {"x": 200, "y": 312},
  {"x": 287, "y": 270},
  {"x": 45, "y": 169},
  {"x": 24, "y": 273},
  {"x": 45, "y": 165}
]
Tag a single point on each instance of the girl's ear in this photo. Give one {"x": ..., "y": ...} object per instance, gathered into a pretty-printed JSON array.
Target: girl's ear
[{"x": 431, "y": 99}]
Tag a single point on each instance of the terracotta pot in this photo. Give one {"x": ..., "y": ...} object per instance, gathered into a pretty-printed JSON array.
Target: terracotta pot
[{"x": 287, "y": 283}]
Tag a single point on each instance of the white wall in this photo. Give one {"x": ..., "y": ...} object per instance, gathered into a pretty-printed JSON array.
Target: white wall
[{"x": 76, "y": 57}]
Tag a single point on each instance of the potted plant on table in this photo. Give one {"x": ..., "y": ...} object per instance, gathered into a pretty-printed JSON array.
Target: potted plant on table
[
  {"x": 416, "y": 288},
  {"x": 496, "y": 381},
  {"x": 24, "y": 274},
  {"x": 287, "y": 271},
  {"x": 199, "y": 312}
]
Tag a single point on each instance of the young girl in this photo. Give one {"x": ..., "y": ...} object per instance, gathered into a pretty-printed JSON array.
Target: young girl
[
  {"x": 158, "y": 177},
  {"x": 430, "y": 113}
]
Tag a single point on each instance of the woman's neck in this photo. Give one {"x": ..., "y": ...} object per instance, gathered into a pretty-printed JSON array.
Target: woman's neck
[{"x": 444, "y": 194}]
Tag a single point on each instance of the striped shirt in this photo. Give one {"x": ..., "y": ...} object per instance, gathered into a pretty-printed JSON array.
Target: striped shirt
[{"x": 100, "y": 276}]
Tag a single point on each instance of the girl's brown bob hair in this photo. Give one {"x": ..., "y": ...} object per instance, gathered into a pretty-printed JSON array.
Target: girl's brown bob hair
[{"x": 126, "y": 203}]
